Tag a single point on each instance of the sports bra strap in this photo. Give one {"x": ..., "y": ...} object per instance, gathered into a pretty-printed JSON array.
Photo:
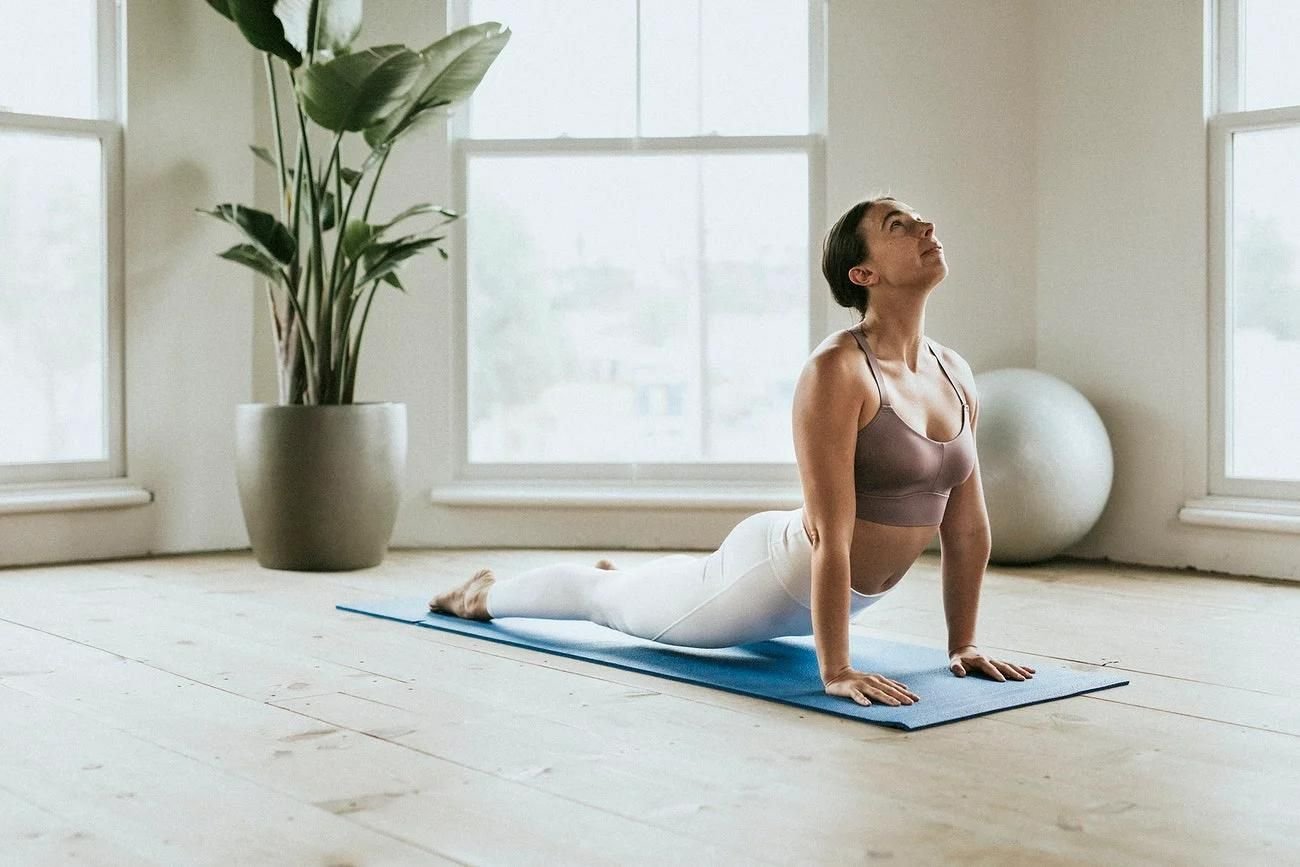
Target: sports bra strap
[
  {"x": 960, "y": 395},
  {"x": 871, "y": 363},
  {"x": 861, "y": 338}
]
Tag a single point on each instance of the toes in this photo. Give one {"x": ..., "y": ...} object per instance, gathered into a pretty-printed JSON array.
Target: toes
[{"x": 604, "y": 564}]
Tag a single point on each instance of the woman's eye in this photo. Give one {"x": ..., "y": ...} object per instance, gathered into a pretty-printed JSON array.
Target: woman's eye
[{"x": 896, "y": 223}]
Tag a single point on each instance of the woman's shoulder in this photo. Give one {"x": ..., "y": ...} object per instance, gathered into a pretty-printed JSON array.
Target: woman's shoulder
[
  {"x": 837, "y": 344},
  {"x": 838, "y": 356},
  {"x": 835, "y": 369}
]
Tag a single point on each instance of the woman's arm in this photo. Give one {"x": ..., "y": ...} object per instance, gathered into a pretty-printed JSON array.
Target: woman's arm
[
  {"x": 965, "y": 542},
  {"x": 826, "y": 406},
  {"x": 827, "y": 401},
  {"x": 965, "y": 539}
]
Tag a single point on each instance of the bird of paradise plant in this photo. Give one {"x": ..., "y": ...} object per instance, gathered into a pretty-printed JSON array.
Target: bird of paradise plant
[{"x": 322, "y": 265}]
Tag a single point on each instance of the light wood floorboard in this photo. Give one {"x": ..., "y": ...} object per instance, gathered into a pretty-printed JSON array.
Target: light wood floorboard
[{"x": 201, "y": 709}]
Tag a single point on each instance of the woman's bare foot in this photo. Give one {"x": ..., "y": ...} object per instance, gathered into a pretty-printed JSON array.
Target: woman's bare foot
[
  {"x": 604, "y": 564},
  {"x": 469, "y": 600}
]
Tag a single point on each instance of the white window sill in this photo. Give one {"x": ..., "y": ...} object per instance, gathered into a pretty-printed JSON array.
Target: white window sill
[
  {"x": 1242, "y": 513},
  {"x": 614, "y": 496},
  {"x": 71, "y": 497}
]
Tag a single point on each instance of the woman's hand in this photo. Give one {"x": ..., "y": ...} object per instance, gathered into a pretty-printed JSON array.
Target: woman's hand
[
  {"x": 858, "y": 686},
  {"x": 969, "y": 658}
]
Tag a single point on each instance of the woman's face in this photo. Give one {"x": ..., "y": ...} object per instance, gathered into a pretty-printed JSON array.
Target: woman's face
[{"x": 904, "y": 250}]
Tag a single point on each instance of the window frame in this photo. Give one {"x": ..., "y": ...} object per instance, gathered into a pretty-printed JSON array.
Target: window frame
[
  {"x": 107, "y": 129},
  {"x": 1225, "y": 120},
  {"x": 464, "y": 148}
]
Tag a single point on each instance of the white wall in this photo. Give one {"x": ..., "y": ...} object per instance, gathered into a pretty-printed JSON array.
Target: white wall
[
  {"x": 933, "y": 103},
  {"x": 1122, "y": 268},
  {"x": 188, "y": 314}
]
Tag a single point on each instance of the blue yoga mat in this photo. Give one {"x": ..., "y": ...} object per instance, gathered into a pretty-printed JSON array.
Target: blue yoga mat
[{"x": 782, "y": 669}]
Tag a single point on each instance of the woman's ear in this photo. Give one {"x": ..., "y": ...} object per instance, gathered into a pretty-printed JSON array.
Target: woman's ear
[{"x": 860, "y": 276}]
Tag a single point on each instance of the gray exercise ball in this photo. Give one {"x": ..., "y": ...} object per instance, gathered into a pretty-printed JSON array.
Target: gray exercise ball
[{"x": 1045, "y": 463}]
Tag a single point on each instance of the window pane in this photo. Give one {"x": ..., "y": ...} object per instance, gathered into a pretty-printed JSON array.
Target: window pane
[
  {"x": 52, "y": 300},
  {"x": 1269, "y": 71},
  {"x": 569, "y": 69},
  {"x": 726, "y": 67},
  {"x": 48, "y": 62},
  {"x": 636, "y": 308},
  {"x": 1264, "y": 310},
  {"x": 755, "y": 230}
]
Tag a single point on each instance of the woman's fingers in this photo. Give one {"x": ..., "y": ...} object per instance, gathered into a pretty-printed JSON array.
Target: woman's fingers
[
  {"x": 1017, "y": 672},
  {"x": 996, "y": 669},
  {"x": 863, "y": 689},
  {"x": 902, "y": 694},
  {"x": 1008, "y": 669},
  {"x": 894, "y": 697},
  {"x": 886, "y": 698},
  {"x": 901, "y": 686},
  {"x": 903, "y": 690}
]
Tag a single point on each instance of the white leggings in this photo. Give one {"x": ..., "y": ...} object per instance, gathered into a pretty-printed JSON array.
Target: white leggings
[{"x": 756, "y": 586}]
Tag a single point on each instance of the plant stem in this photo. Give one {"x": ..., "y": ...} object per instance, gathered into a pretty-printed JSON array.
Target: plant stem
[
  {"x": 295, "y": 269},
  {"x": 339, "y": 219},
  {"x": 308, "y": 346},
  {"x": 365, "y": 215},
  {"x": 348, "y": 350},
  {"x": 279, "y": 138},
  {"x": 352, "y": 349},
  {"x": 318, "y": 276},
  {"x": 356, "y": 352},
  {"x": 283, "y": 199}
]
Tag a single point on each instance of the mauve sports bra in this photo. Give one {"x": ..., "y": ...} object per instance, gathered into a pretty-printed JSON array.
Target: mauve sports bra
[{"x": 903, "y": 477}]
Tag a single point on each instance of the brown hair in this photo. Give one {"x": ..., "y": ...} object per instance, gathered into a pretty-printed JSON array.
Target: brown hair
[{"x": 844, "y": 247}]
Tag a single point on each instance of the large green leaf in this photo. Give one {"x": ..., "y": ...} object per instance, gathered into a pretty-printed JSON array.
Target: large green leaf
[
  {"x": 256, "y": 19},
  {"x": 247, "y": 254},
  {"x": 358, "y": 90},
  {"x": 383, "y": 259},
  {"x": 359, "y": 235},
  {"x": 451, "y": 69},
  {"x": 456, "y": 64},
  {"x": 417, "y": 210},
  {"x": 327, "y": 210},
  {"x": 268, "y": 234},
  {"x": 222, "y": 6},
  {"x": 337, "y": 24},
  {"x": 420, "y": 118}
]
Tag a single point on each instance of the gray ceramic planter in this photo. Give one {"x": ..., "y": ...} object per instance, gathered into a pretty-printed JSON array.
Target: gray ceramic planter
[{"x": 320, "y": 485}]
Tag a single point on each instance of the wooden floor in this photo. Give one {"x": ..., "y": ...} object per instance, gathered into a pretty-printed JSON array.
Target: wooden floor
[{"x": 202, "y": 710}]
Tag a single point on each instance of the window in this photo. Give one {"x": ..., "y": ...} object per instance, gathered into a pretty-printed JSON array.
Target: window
[
  {"x": 60, "y": 241},
  {"x": 1255, "y": 251},
  {"x": 638, "y": 178}
]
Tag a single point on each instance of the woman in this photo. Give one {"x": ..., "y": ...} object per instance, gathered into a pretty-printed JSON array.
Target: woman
[{"x": 886, "y": 457}]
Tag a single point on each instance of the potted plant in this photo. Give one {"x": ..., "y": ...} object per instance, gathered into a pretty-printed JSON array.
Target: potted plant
[{"x": 319, "y": 474}]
